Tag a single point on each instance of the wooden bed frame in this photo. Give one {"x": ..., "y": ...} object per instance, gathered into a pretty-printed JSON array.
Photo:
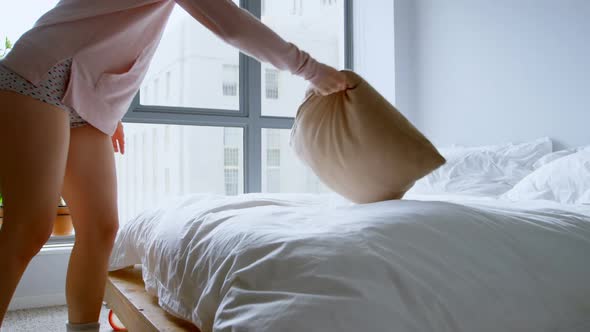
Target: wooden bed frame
[{"x": 125, "y": 295}]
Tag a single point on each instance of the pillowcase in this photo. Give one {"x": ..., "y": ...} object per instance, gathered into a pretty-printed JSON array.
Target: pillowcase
[
  {"x": 473, "y": 173},
  {"x": 483, "y": 171},
  {"x": 523, "y": 155},
  {"x": 359, "y": 145},
  {"x": 565, "y": 180},
  {"x": 556, "y": 155}
]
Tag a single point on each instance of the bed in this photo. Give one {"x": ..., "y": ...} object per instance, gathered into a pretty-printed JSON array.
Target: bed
[
  {"x": 497, "y": 239},
  {"x": 318, "y": 263}
]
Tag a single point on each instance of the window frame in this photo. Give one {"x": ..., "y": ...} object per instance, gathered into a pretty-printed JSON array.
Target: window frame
[{"x": 248, "y": 117}]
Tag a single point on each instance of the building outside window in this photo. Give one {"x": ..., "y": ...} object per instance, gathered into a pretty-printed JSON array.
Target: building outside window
[
  {"x": 157, "y": 90},
  {"x": 168, "y": 79},
  {"x": 231, "y": 159},
  {"x": 193, "y": 131},
  {"x": 230, "y": 77},
  {"x": 272, "y": 83},
  {"x": 297, "y": 7},
  {"x": 273, "y": 161}
]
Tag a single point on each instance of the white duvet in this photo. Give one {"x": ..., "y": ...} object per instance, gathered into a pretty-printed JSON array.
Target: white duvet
[{"x": 280, "y": 263}]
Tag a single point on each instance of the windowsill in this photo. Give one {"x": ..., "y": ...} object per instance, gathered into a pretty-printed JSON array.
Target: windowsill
[
  {"x": 50, "y": 251},
  {"x": 58, "y": 245},
  {"x": 56, "y": 249}
]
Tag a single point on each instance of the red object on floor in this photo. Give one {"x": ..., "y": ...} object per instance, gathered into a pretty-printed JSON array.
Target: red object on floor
[{"x": 115, "y": 322}]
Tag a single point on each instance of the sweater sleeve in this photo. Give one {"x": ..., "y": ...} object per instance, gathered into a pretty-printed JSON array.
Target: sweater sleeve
[{"x": 242, "y": 30}]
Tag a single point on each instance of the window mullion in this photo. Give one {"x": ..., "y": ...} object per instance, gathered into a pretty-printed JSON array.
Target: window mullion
[
  {"x": 251, "y": 102},
  {"x": 348, "y": 35}
]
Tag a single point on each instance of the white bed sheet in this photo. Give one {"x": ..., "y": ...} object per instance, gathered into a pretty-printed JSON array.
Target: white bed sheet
[{"x": 316, "y": 263}]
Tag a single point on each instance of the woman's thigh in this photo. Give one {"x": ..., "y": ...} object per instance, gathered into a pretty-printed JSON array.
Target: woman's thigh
[
  {"x": 90, "y": 184},
  {"x": 34, "y": 139}
]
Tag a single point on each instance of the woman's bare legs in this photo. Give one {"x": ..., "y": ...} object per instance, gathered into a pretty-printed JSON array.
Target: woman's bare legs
[
  {"x": 34, "y": 140},
  {"x": 90, "y": 190}
]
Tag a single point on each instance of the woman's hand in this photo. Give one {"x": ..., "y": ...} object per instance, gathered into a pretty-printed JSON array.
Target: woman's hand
[
  {"x": 329, "y": 81},
  {"x": 118, "y": 139}
]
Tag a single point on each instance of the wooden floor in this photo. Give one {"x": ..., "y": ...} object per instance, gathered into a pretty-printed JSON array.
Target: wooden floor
[{"x": 125, "y": 294}]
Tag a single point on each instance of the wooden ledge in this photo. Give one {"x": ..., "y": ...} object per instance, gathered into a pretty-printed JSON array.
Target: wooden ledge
[{"x": 125, "y": 294}]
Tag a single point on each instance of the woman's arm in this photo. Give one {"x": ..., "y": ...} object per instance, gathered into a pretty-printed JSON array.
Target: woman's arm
[{"x": 242, "y": 30}]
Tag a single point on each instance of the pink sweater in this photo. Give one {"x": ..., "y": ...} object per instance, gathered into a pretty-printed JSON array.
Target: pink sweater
[{"x": 112, "y": 43}]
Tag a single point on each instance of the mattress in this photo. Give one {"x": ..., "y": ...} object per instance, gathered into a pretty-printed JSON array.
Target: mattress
[{"x": 318, "y": 263}]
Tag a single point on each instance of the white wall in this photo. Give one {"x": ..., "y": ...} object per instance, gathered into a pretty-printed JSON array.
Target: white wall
[
  {"x": 486, "y": 71},
  {"x": 43, "y": 283},
  {"x": 374, "y": 45}
]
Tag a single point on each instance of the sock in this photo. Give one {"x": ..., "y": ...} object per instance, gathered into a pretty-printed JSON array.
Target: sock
[{"x": 88, "y": 327}]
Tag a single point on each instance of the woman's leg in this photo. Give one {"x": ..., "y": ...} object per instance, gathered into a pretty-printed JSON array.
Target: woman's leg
[
  {"x": 90, "y": 189},
  {"x": 33, "y": 150}
]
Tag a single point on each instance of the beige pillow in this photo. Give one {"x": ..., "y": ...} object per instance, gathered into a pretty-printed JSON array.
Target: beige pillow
[{"x": 360, "y": 146}]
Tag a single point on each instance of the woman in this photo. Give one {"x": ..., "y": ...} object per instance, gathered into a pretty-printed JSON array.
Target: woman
[{"x": 63, "y": 90}]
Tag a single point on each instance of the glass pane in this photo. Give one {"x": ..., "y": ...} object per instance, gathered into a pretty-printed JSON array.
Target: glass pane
[
  {"x": 169, "y": 160},
  {"x": 317, "y": 27},
  {"x": 192, "y": 68},
  {"x": 20, "y": 16},
  {"x": 282, "y": 172}
]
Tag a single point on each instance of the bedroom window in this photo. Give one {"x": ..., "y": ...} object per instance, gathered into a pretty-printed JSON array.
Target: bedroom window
[
  {"x": 231, "y": 181},
  {"x": 273, "y": 161},
  {"x": 163, "y": 161},
  {"x": 219, "y": 121},
  {"x": 297, "y": 7},
  {"x": 199, "y": 58},
  {"x": 282, "y": 172},
  {"x": 231, "y": 76},
  {"x": 272, "y": 83},
  {"x": 157, "y": 90},
  {"x": 318, "y": 29},
  {"x": 232, "y": 142},
  {"x": 168, "y": 79}
]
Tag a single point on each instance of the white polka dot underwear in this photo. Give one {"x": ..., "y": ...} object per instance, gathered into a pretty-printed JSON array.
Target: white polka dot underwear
[{"x": 50, "y": 91}]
